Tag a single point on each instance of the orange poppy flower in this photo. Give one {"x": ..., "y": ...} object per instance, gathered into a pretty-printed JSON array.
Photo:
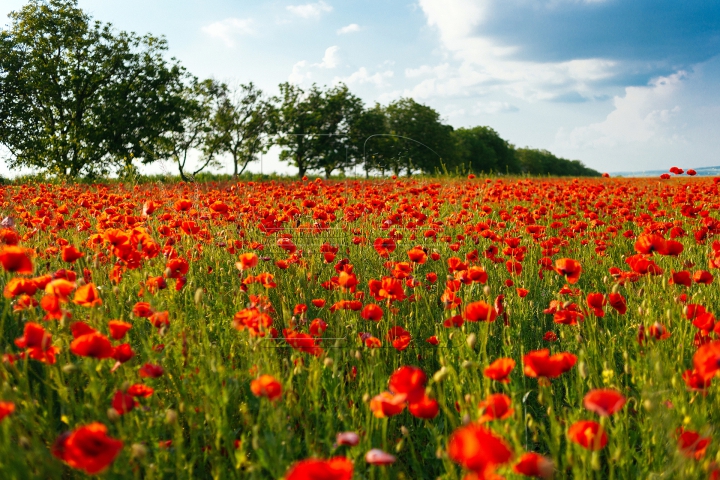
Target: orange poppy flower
[
  {"x": 568, "y": 268},
  {"x": 337, "y": 468},
  {"x": 6, "y": 408},
  {"x": 60, "y": 288},
  {"x": 604, "y": 401},
  {"x": 539, "y": 363},
  {"x": 16, "y": 260},
  {"x": 532, "y": 464},
  {"x": 495, "y": 407},
  {"x": 478, "y": 449},
  {"x": 387, "y": 404},
  {"x": 408, "y": 381},
  {"x": 588, "y": 434},
  {"x": 87, "y": 448},
  {"x": 87, "y": 296},
  {"x": 70, "y": 254},
  {"x": 500, "y": 369},
  {"x": 372, "y": 312},
  {"x": 691, "y": 444},
  {"x": 707, "y": 359},
  {"x": 95, "y": 345},
  {"x": 426, "y": 408},
  {"x": 479, "y": 312},
  {"x": 266, "y": 386},
  {"x": 247, "y": 260}
]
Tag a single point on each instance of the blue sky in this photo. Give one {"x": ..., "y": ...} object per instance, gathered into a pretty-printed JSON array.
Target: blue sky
[{"x": 619, "y": 84}]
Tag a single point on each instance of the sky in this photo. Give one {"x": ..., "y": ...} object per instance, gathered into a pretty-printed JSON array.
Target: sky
[{"x": 622, "y": 85}]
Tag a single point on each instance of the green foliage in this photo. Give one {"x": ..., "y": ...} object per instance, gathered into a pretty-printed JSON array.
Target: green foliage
[
  {"x": 483, "y": 150},
  {"x": 542, "y": 162},
  {"x": 78, "y": 98}
]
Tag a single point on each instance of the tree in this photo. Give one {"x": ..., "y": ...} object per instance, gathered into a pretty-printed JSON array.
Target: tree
[
  {"x": 198, "y": 107},
  {"x": 243, "y": 125},
  {"x": 483, "y": 150},
  {"x": 298, "y": 124},
  {"x": 427, "y": 140},
  {"x": 542, "y": 162},
  {"x": 78, "y": 98},
  {"x": 371, "y": 134},
  {"x": 337, "y": 146}
]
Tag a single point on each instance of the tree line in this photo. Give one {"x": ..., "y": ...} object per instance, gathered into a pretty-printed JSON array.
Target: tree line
[{"x": 80, "y": 99}]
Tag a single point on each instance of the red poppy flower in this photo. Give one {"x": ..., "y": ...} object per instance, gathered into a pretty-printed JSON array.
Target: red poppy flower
[
  {"x": 247, "y": 260},
  {"x": 87, "y": 448},
  {"x": 604, "y": 401},
  {"x": 478, "y": 449},
  {"x": 123, "y": 402},
  {"x": 691, "y": 444},
  {"x": 479, "y": 312},
  {"x": 384, "y": 246},
  {"x": 399, "y": 337},
  {"x": 568, "y": 268},
  {"x": 617, "y": 302},
  {"x": 588, "y": 434},
  {"x": 70, "y": 254},
  {"x": 94, "y": 345},
  {"x": 150, "y": 370},
  {"x": 87, "y": 296},
  {"x": 707, "y": 359},
  {"x": 140, "y": 390},
  {"x": 266, "y": 386},
  {"x": 337, "y": 468},
  {"x": 15, "y": 259},
  {"x": 539, "y": 363},
  {"x": 142, "y": 310},
  {"x": 387, "y": 404},
  {"x": 425, "y": 408},
  {"x": 118, "y": 328},
  {"x": 495, "y": 407},
  {"x": 534, "y": 465},
  {"x": 500, "y": 369},
  {"x": 408, "y": 381},
  {"x": 372, "y": 312}
]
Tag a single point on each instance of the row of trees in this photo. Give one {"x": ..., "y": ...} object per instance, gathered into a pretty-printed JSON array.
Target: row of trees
[{"x": 78, "y": 98}]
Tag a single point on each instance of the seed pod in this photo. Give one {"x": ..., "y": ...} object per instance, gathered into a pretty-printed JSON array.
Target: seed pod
[{"x": 471, "y": 340}]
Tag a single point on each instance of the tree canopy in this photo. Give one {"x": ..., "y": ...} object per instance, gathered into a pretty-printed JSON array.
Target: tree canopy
[
  {"x": 77, "y": 97},
  {"x": 81, "y": 99}
]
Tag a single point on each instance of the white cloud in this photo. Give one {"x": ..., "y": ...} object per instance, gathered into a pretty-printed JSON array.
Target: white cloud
[
  {"x": 362, "y": 76},
  {"x": 352, "y": 28},
  {"x": 644, "y": 114},
  {"x": 297, "y": 75},
  {"x": 331, "y": 59},
  {"x": 440, "y": 71},
  {"x": 494, "y": 107},
  {"x": 310, "y": 10},
  {"x": 486, "y": 67},
  {"x": 226, "y": 30}
]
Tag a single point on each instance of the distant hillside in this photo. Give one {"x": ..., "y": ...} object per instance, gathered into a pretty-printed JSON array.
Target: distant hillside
[{"x": 701, "y": 172}]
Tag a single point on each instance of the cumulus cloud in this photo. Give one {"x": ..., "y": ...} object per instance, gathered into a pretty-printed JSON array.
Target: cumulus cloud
[
  {"x": 352, "y": 28},
  {"x": 227, "y": 29},
  {"x": 331, "y": 59},
  {"x": 641, "y": 115},
  {"x": 298, "y": 75},
  {"x": 494, "y": 107},
  {"x": 310, "y": 10},
  {"x": 362, "y": 76}
]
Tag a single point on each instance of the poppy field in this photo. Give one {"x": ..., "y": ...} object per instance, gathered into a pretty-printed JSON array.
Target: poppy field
[{"x": 475, "y": 328}]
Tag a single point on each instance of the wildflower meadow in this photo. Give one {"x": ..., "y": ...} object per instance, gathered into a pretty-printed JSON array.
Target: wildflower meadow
[{"x": 473, "y": 328}]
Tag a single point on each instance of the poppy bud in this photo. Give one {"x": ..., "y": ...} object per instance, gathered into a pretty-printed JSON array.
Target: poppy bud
[
  {"x": 466, "y": 418},
  {"x": 582, "y": 369},
  {"x": 68, "y": 368},
  {"x": 328, "y": 362},
  {"x": 440, "y": 375},
  {"x": 113, "y": 415},
  {"x": 116, "y": 290},
  {"x": 80, "y": 282},
  {"x": 486, "y": 290},
  {"x": 171, "y": 417},
  {"x": 615, "y": 288},
  {"x": 358, "y": 355},
  {"x": 198, "y": 296},
  {"x": 138, "y": 450},
  {"x": 471, "y": 340},
  {"x": 24, "y": 442},
  {"x": 405, "y": 432},
  {"x": 366, "y": 397}
]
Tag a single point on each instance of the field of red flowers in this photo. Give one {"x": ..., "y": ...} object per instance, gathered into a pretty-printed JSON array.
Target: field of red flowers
[{"x": 476, "y": 329}]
